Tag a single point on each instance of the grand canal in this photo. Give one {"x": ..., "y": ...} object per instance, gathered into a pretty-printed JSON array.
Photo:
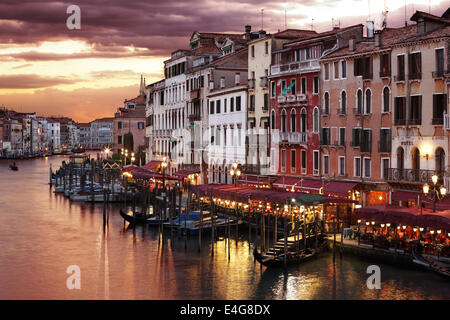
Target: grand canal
[{"x": 43, "y": 233}]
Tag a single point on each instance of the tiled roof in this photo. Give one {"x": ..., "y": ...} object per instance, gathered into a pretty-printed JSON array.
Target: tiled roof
[
  {"x": 104, "y": 120},
  {"x": 323, "y": 34},
  {"x": 138, "y": 100},
  {"x": 392, "y": 37},
  {"x": 132, "y": 113},
  {"x": 427, "y": 16}
]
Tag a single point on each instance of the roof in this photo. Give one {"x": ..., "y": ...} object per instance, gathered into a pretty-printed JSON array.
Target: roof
[
  {"x": 427, "y": 16},
  {"x": 392, "y": 37},
  {"x": 324, "y": 34},
  {"x": 140, "y": 99},
  {"x": 104, "y": 120},
  {"x": 131, "y": 113}
]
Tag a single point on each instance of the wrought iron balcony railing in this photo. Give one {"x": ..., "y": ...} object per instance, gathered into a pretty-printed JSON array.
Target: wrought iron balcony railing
[{"x": 412, "y": 175}]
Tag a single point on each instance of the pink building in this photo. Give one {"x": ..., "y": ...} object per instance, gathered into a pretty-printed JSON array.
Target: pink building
[{"x": 130, "y": 118}]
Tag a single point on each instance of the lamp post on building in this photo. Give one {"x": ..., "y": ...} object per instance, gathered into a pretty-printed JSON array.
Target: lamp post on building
[
  {"x": 436, "y": 190},
  {"x": 235, "y": 173},
  {"x": 107, "y": 151},
  {"x": 163, "y": 169},
  {"x": 132, "y": 158}
]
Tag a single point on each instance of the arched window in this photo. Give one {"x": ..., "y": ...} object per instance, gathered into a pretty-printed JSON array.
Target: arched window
[
  {"x": 326, "y": 103},
  {"x": 303, "y": 128},
  {"x": 368, "y": 101},
  {"x": 293, "y": 121},
  {"x": 283, "y": 121},
  {"x": 343, "y": 102},
  {"x": 359, "y": 101},
  {"x": 386, "y": 100},
  {"x": 415, "y": 157},
  {"x": 272, "y": 120},
  {"x": 316, "y": 120},
  {"x": 440, "y": 161}
]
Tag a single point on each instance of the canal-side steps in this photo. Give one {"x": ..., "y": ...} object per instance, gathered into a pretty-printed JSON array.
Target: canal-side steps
[{"x": 278, "y": 247}]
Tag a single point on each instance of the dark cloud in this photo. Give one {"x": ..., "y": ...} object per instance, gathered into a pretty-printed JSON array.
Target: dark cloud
[{"x": 31, "y": 81}]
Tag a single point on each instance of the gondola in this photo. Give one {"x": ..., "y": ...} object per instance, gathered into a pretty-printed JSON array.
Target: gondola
[
  {"x": 139, "y": 218},
  {"x": 293, "y": 258},
  {"x": 432, "y": 264},
  {"x": 13, "y": 167}
]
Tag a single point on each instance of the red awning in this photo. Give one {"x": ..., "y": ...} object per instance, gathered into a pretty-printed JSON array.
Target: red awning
[
  {"x": 185, "y": 173},
  {"x": 130, "y": 168},
  {"x": 309, "y": 185},
  {"x": 286, "y": 182},
  {"x": 339, "y": 188},
  {"x": 152, "y": 165},
  {"x": 252, "y": 180},
  {"x": 407, "y": 196}
]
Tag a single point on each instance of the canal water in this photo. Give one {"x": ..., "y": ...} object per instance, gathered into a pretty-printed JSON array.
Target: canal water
[{"x": 42, "y": 233}]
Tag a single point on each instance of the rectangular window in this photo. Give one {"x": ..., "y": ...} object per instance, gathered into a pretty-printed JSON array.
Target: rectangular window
[
  {"x": 325, "y": 164},
  {"x": 316, "y": 162},
  {"x": 385, "y": 65},
  {"x": 316, "y": 85},
  {"x": 399, "y": 111},
  {"x": 304, "y": 159},
  {"x": 119, "y": 139},
  {"x": 266, "y": 102},
  {"x": 212, "y": 135},
  {"x": 141, "y": 125},
  {"x": 303, "y": 85},
  {"x": 119, "y": 125},
  {"x": 342, "y": 136},
  {"x": 217, "y": 106},
  {"x": 232, "y": 104},
  {"x": 272, "y": 89},
  {"x": 283, "y": 160},
  {"x": 238, "y": 103},
  {"x": 415, "y": 110},
  {"x": 211, "y": 107},
  {"x": 439, "y": 108},
  {"x": 266, "y": 47},
  {"x": 358, "y": 67},
  {"x": 325, "y": 136},
  {"x": 225, "y": 136},
  {"x": 385, "y": 140},
  {"x": 366, "y": 140},
  {"x": 341, "y": 166},
  {"x": 356, "y": 137},
  {"x": 283, "y": 85},
  {"x": 293, "y": 161},
  {"x": 415, "y": 65},
  {"x": 187, "y": 85},
  {"x": 251, "y": 107},
  {"x": 326, "y": 71},
  {"x": 357, "y": 168},
  {"x": 225, "y": 105},
  {"x": 344, "y": 69},
  {"x": 217, "y": 136},
  {"x": 384, "y": 168},
  {"x": 293, "y": 84},
  {"x": 439, "y": 63},
  {"x": 336, "y": 70},
  {"x": 253, "y": 51},
  {"x": 400, "y": 68},
  {"x": 367, "y": 167}
]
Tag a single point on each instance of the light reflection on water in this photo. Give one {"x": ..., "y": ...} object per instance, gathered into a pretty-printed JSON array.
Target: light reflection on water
[{"x": 43, "y": 233}]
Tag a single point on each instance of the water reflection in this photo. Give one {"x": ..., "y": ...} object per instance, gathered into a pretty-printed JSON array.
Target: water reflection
[{"x": 42, "y": 233}]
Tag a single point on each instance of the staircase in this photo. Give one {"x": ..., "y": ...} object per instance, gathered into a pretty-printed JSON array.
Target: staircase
[{"x": 278, "y": 247}]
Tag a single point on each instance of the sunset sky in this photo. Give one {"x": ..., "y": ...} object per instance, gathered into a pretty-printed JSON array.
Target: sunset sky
[{"x": 87, "y": 73}]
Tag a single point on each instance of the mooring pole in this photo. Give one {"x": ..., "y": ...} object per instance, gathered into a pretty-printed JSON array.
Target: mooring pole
[{"x": 285, "y": 242}]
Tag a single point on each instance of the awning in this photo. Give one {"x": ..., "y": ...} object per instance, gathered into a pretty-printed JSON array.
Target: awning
[
  {"x": 407, "y": 196},
  {"x": 129, "y": 168},
  {"x": 309, "y": 185},
  {"x": 339, "y": 188},
  {"x": 310, "y": 199},
  {"x": 185, "y": 173},
  {"x": 286, "y": 182},
  {"x": 253, "y": 180},
  {"x": 152, "y": 165}
]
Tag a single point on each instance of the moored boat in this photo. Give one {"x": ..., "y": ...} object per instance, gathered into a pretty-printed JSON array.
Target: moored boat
[
  {"x": 138, "y": 218},
  {"x": 431, "y": 264},
  {"x": 292, "y": 258}
]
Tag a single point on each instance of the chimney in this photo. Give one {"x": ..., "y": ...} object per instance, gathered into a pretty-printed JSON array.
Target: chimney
[
  {"x": 248, "y": 29},
  {"x": 351, "y": 44},
  {"x": 370, "y": 28},
  {"x": 378, "y": 38},
  {"x": 262, "y": 33}
]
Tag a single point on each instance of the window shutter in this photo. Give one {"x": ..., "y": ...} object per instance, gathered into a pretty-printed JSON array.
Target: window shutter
[
  {"x": 419, "y": 110},
  {"x": 419, "y": 62},
  {"x": 435, "y": 107}
]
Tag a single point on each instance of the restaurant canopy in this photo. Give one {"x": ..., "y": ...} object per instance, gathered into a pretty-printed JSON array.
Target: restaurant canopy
[
  {"x": 245, "y": 194},
  {"x": 142, "y": 173},
  {"x": 405, "y": 216},
  {"x": 185, "y": 173},
  {"x": 152, "y": 165}
]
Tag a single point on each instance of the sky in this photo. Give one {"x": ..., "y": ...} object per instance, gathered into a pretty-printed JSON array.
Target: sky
[{"x": 86, "y": 73}]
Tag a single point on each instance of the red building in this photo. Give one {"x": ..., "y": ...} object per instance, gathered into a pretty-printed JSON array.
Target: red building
[{"x": 295, "y": 100}]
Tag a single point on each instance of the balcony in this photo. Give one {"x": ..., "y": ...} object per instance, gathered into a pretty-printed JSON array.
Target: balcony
[
  {"x": 367, "y": 76},
  {"x": 437, "y": 121},
  {"x": 399, "y": 122},
  {"x": 341, "y": 112},
  {"x": 299, "y": 66},
  {"x": 399, "y": 78},
  {"x": 301, "y": 98},
  {"x": 251, "y": 169},
  {"x": 264, "y": 82},
  {"x": 291, "y": 98},
  {"x": 194, "y": 94},
  {"x": 294, "y": 137},
  {"x": 251, "y": 84},
  {"x": 415, "y": 76},
  {"x": 194, "y": 117},
  {"x": 161, "y": 133},
  {"x": 281, "y": 99},
  {"x": 412, "y": 175},
  {"x": 437, "y": 74},
  {"x": 447, "y": 121},
  {"x": 414, "y": 122},
  {"x": 385, "y": 74}
]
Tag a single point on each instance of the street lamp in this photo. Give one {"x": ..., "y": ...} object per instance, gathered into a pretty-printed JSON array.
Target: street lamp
[
  {"x": 132, "y": 158},
  {"x": 235, "y": 173},
  {"x": 436, "y": 190},
  {"x": 163, "y": 167},
  {"x": 107, "y": 151}
]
